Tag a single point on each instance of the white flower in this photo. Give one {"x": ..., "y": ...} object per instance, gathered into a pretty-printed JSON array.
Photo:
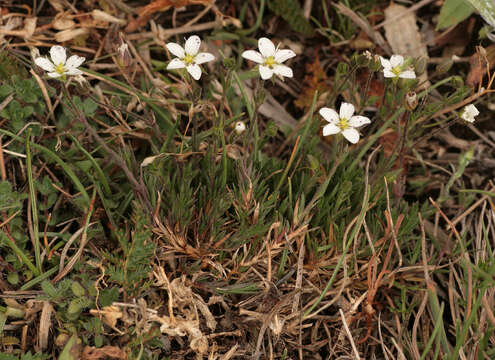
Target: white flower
[
  {"x": 469, "y": 113},
  {"x": 60, "y": 65},
  {"x": 189, "y": 57},
  {"x": 393, "y": 68},
  {"x": 240, "y": 127},
  {"x": 343, "y": 122},
  {"x": 270, "y": 59}
]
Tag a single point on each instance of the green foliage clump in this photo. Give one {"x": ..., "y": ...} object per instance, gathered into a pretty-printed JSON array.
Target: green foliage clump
[{"x": 27, "y": 101}]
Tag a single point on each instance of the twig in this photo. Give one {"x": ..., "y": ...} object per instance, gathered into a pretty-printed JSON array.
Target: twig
[
  {"x": 349, "y": 335},
  {"x": 471, "y": 208},
  {"x": 308, "y": 4},
  {"x": 483, "y": 137},
  {"x": 45, "y": 96},
  {"x": 415, "y": 348},
  {"x": 181, "y": 30}
]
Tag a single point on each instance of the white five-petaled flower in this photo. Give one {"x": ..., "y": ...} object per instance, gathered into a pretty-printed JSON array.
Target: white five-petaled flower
[
  {"x": 343, "y": 122},
  {"x": 189, "y": 57},
  {"x": 60, "y": 65},
  {"x": 469, "y": 113},
  {"x": 270, "y": 59},
  {"x": 394, "y": 68}
]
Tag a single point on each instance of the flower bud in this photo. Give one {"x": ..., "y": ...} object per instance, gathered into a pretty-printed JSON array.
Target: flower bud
[
  {"x": 411, "y": 101},
  {"x": 420, "y": 65},
  {"x": 375, "y": 63},
  {"x": 124, "y": 57},
  {"x": 239, "y": 127},
  {"x": 259, "y": 96},
  {"x": 229, "y": 63},
  {"x": 444, "y": 66},
  {"x": 35, "y": 53},
  {"x": 82, "y": 85}
]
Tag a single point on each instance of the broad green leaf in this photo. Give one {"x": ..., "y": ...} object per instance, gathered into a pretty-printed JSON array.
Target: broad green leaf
[
  {"x": 486, "y": 8},
  {"x": 70, "y": 349},
  {"x": 5, "y": 90},
  {"x": 49, "y": 289},
  {"x": 453, "y": 12},
  {"x": 89, "y": 107}
]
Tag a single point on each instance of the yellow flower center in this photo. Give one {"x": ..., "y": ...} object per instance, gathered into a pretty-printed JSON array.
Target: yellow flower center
[
  {"x": 397, "y": 70},
  {"x": 270, "y": 61},
  {"x": 343, "y": 124},
  {"x": 60, "y": 69},
  {"x": 189, "y": 59}
]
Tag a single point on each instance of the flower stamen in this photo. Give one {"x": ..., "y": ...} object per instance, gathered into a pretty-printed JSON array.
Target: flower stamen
[
  {"x": 270, "y": 61},
  {"x": 60, "y": 69},
  {"x": 189, "y": 59},
  {"x": 343, "y": 123}
]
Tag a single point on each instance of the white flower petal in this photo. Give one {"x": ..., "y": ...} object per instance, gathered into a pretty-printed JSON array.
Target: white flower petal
[
  {"x": 194, "y": 70},
  {"x": 58, "y": 55},
  {"x": 266, "y": 47},
  {"x": 408, "y": 74},
  {"x": 73, "y": 71},
  {"x": 74, "y": 61},
  {"x": 265, "y": 72},
  {"x": 346, "y": 110},
  {"x": 253, "y": 56},
  {"x": 283, "y": 55},
  {"x": 203, "y": 57},
  {"x": 176, "y": 64},
  {"x": 330, "y": 129},
  {"x": 469, "y": 113},
  {"x": 388, "y": 74},
  {"x": 176, "y": 50},
  {"x": 351, "y": 134},
  {"x": 466, "y": 116},
  {"x": 357, "y": 121},
  {"x": 396, "y": 60},
  {"x": 329, "y": 115},
  {"x": 471, "y": 109},
  {"x": 385, "y": 63},
  {"x": 192, "y": 45},
  {"x": 282, "y": 70},
  {"x": 54, "y": 74},
  {"x": 44, "y": 63}
]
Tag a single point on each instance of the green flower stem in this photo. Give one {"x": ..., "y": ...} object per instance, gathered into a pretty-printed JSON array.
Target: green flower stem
[
  {"x": 300, "y": 139},
  {"x": 247, "y": 101},
  {"x": 34, "y": 203},
  {"x": 257, "y": 24},
  {"x": 226, "y": 82},
  {"x": 375, "y": 137},
  {"x": 257, "y": 96}
]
